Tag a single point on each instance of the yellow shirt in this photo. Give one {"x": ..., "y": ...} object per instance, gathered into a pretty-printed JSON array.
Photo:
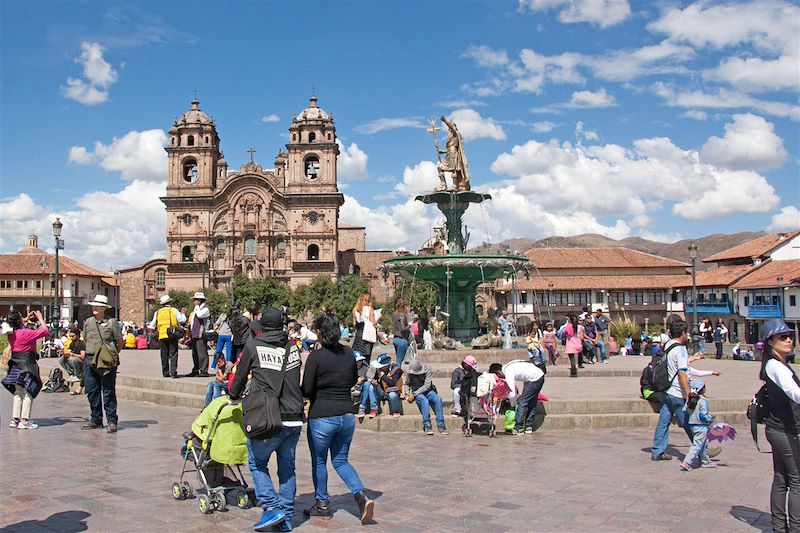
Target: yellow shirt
[
  {"x": 130, "y": 340},
  {"x": 164, "y": 320}
]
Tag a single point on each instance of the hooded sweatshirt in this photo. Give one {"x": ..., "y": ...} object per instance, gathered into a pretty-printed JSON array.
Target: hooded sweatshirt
[{"x": 263, "y": 356}]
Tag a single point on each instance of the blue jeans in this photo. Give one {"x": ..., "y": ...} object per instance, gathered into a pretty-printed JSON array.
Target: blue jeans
[
  {"x": 526, "y": 404},
  {"x": 393, "y": 397},
  {"x": 400, "y": 349},
  {"x": 215, "y": 390},
  {"x": 368, "y": 396},
  {"x": 101, "y": 391},
  {"x": 538, "y": 354},
  {"x": 308, "y": 345},
  {"x": 333, "y": 433},
  {"x": 671, "y": 406},
  {"x": 258, "y": 454},
  {"x": 601, "y": 350},
  {"x": 223, "y": 341},
  {"x": 424, "y": 401}
]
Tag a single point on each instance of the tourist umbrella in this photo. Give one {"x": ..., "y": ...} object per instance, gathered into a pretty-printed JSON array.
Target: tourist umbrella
[{"x": 721, "y": 432}]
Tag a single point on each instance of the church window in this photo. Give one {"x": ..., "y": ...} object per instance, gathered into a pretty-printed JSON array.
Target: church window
[
  {"x": 190, "y": 140},
  {"x": 190, "y": 171},
  {"x": 312, "y": 217},
  {"x": 313, "y": 252},
  {"x": 186, "y": 219},
  {"x": 187, "y": 254},
  {"x": 206, "y": 139},
  {"x": 249, "y": 272},
  {"x": 173, "y": 141},
  {"x": 312, "y": 137},
  {"x": 280, "y": 244},
  {"x": 161, "y": 279},
  {"x": 294, "y": 137},
  {"x": 329, "y": 137},
  {"x": 250, "y": 245},
  {"x": 312, "y": 168},
  {"x": 220, "y": 246}
]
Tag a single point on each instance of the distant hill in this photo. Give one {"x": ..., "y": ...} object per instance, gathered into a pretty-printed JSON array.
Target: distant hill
[{"x": 706, "y": 246}]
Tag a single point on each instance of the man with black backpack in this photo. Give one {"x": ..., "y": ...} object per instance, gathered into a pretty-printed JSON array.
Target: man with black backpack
[{"x": 674, "y": 370}]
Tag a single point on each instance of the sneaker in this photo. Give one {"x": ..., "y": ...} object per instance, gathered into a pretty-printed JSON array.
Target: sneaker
[
  {"x": 455, "y": 415},
  {"x": 605, "y": 362},
  {"x": 319, "y": 510},
  {"x": 365, "y": 507},
  {"x": 269, "y": 519},
  {"x": 710, "y": 464},
  {"x": 686, "y": 466},
  {"x": 14, "y": 423},
  {"x": 662, "y": 457},
  {"x": 428, "y": 430},
  {"x": 92, "y": 425},
  {"x": 373, "y": 414},
  {"x": 517, "y": 432},
  {"x": 395, "y": 415},
  {"x": 284, "y": 526},
  {"x": 529, "y": 431},
  {"x": 27, "y": 424},
  {"x": 443, "y": 430},
  {"x": 112, "y": 428},
  {"x": 361, "y": 414}
]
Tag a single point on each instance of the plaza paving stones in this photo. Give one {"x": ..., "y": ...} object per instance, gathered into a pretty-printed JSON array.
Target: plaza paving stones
[{"x": 59, "y": 478}]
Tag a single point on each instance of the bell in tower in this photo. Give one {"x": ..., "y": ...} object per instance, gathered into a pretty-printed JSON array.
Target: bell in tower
[
  {"x": 193, "y": 153},
  {"x": 312, "y": 150}
]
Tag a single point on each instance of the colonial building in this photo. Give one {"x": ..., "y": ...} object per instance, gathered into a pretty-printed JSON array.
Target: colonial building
[
  {"x": 280, "y": 222},
  {"x": 27, "y": 283}
]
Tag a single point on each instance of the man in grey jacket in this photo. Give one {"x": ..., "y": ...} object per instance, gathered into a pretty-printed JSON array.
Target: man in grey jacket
[{"x": 420, "y": 388}]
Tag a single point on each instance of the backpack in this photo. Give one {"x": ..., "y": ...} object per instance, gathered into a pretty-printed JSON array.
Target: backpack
[
  {"x": 655, "y": 376},
  {"x": 240, "y": 327},
  {"x": 55, "y": 381},
  {"x": 757, "y": 412},
  {"x": 141, "y": 342}
]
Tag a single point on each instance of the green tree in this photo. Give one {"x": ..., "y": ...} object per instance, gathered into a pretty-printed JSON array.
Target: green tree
[
  {"x": 326, "y": 295},
  {"x": 420, "y": 295},
  {"x": 182, "y": 300},
  {"x": 261, "y": 293}
]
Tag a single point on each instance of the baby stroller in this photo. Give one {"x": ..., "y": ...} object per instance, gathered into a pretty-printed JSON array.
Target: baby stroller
[
  {"x": 216, "y": 443},
  {"x": 482, "y": 409}
]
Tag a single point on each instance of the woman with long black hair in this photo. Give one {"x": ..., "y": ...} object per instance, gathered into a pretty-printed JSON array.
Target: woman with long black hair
[
  {"x": 782, "y": 425},
  {"x": 23, "y": 379}
]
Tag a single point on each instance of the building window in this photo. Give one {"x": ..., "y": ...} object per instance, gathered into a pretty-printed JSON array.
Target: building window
[
  {"x": 186, "y": 219},
  {"x": 106, "y": 291},
  {"x": 523, "y": 298},
  {"x": 774, "y": 299},
  {"x": 746, "y": 301},
  {"x": 581, "y": 298},
  {"x": 220, "y": 247},
  {"x": 312, "y": 168},
  {"x": 250, "y": 245},
  {"x": 38, "y": 284},
  {"x": 312, "y": 137},
  {"x": 19, "y": 284},
  {"x": 161, "y": 280},
  {"x": 723, "y": 297},
  {"x": 616, "y": 297},
  {"x": 190, "y": 171},
  {"x": 187, "y": 254},
  {"x": 655, "y": 297},
  {"x": 190, "y": 140},
  {"x": 313, "y": 252},
  {"x": 280, "y": 244},
  {"x": 792, "y": 300}
]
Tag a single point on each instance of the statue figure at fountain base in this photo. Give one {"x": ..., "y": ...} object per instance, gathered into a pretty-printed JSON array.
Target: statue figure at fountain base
[
  {"x": 440, "y": 340},
  {"x": 484, "y": 342}
]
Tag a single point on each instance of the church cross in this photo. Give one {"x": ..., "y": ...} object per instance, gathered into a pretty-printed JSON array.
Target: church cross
[
  {"x": 313, "y": 90},
  {"x": 251, "y": 151},
  {"x": 195, "y": 94}
]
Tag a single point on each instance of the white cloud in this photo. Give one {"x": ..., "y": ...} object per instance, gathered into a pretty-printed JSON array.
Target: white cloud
[
  {"x": 695, "y": 114},
  {"x": 132, "y": 225},
  {"x": 486, "y": 56},
  {"x": 787, "y": 219},
  {"x": 588, "y": 99},
  {"x": 270, "y": 118},
  {"x": 624, "y": 65},
  {"x": 473, "y": 126},
  {"x": 757, "y": 74},
  {"x": 98, "y": 73},
  {"x": 404, "y": 225},
  {"x": 544, "y": 126},
  {"x": 602, "y": 13},
  {"x": 137, "y": 155},
  {"x": 420, "y": 178},
  {"x": 351, "y": 163},
  {"x": 382, "y": 124},
  {"x": 463, "y": 103},
  {"x": 734, "y": 192},
  {"x": 724, "y": 99},
  {"x": 667, "y": 238},
  {"x": 750, "y": 142},
  {"x": 582, "y": 133}
]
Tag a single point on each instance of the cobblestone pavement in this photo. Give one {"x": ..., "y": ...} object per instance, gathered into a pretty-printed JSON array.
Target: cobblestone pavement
[{"x": 59, "y": 478}]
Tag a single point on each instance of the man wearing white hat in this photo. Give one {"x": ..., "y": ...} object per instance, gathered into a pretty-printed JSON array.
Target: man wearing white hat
[
  {"x": 163, "y": 319},
  {"x": 101, "y": 386},
  {"x": 199, "y": 320}
]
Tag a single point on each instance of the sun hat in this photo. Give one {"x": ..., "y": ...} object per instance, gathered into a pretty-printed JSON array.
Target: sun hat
[
  {"x": 100, "y": 300},
  {"x": 470, "y": 361},
  {"x": 776, "y": 326},
  {"x": 696, "y": 385},
  {"x": 358, "y": 356},
  {"x": 165, "y": 299},
  {"x": 416, "y": 367},
  {"x": 199, "y": 296},
  {"x": 272, "y": 319},
  {"x": 382, "y": 361}
]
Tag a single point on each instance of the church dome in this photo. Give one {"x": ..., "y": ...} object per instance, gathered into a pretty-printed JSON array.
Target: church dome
[
  {"x": 313, "y": 112},
  {"x": 195, "y": 116}
]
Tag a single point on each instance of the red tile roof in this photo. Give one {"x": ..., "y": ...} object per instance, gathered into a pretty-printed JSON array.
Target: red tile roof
[
  {"x": 570, "y": 283},
  {"x": 597, "y": 258},
  {"x": 26, "y": 262},
  {"x": 767, "y": 275},
  {"x": 752, "y": 249},
  {"x": 719, "y": 276}
]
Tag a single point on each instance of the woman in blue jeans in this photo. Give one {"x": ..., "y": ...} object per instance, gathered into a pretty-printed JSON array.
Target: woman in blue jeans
[
  {"x": 328, "y": 378},
  {"x": 401, "y": 331}
]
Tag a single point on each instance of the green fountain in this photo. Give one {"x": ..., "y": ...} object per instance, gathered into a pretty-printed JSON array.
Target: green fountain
[{"x": 455, "y": 273}]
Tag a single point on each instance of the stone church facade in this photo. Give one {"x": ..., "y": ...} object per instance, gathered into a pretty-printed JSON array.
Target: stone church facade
[{"x": 281, "y": 222}]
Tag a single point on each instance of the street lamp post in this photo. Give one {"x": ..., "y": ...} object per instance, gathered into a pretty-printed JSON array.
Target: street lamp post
[
  {"x": 57, "y": 225},
  {"x": 116, "y": 289},
  {"x": 43, "y": 264},
  {"x": 780, "y": 296},
  {"x": 550, "y": 302},
  {"x": 695, "y": 330}
]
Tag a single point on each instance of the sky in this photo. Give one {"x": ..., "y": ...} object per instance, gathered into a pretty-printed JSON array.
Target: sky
[{"x": 662, "y": 120}]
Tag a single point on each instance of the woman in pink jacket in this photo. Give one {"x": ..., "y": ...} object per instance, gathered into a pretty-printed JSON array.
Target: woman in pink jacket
[
  {"x": 23, "y": 380},
  {"x": 575, "y": 335}
]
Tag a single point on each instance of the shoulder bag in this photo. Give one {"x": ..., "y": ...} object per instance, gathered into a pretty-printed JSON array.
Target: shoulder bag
[
  {"x": 370, "y": 334},
  {"x": 107, "y": 357},
  {"x": 176, "y": 332},
  {"x": 261, "y": 410}
]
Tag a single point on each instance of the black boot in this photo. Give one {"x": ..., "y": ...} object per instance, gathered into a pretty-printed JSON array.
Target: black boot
[
  {"x": 365, "y": 507},
  {"x": 319, "y": 510}
]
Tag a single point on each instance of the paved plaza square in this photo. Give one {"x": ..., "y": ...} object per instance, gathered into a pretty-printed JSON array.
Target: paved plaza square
[{"x": 59, "y": 478}]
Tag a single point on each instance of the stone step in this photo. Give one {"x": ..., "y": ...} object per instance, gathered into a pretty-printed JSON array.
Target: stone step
[
  {"x": 445, "y": 370},
  {"x": 170, "y": 398}
]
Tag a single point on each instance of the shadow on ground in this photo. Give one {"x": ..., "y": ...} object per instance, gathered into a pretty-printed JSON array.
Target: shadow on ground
[
  {"x": 341, "y": 503},
  {"x": 752, "y": 517},
  {"x": 65, "y": 522}
]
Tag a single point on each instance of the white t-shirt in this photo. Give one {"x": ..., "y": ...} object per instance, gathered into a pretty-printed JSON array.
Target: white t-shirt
[
  {"x": 522, "y": 371},
  {"x": 677, "y": 359},
  {"x": 782, "y": 377}
]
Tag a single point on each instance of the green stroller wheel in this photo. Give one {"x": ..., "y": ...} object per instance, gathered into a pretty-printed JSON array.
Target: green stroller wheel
[
  {"x": 242, "y": 499},
  {"x": 177, "y": 491},
  {"x": 218, "y": 500},
  {"x": 204, "y": 503},
  {"x": 187, "y": 489}
]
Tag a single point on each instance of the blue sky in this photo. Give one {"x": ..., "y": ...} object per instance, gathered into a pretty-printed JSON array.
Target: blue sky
[{"x": 662, "y": 120}]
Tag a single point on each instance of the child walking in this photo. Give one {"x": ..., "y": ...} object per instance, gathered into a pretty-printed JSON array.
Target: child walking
[{"x": 699, "y": 422}]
